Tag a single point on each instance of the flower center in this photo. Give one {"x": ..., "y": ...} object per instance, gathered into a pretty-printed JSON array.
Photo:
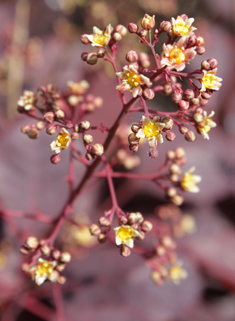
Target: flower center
[
  {"x": 187, "y": 181},
  {"x": 44, "y": 268},
  {"x": 125, "y": 233},
  {"x": 151, "y": 130},
  {"x": 209, "y": 80},
  {"x": 133, "y": 79},
  {"x": 100, "y": 39},
  {"x": 176, "y": 55},
  {"x": 62, "y": 140},
  {"x": 206, "y": 124},
  {"x": 181, "y": 28}
]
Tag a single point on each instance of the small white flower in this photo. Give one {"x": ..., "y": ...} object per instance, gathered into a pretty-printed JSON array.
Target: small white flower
[
  {"x": 132, "y": 80},
  {"x": 176, "y": 273},
  {"x": 42, "y": 271},
  {"x": 62, "y": 141},
  {"x": 210, "y": 81},
  {"x": 205, "y": 126},
  {"x": 100, "y": 38},
  {"x": 152, "y": 131},
  {"x": 125, "y": 235},
  {"x": 176, "y": 56},
  {"x": 182, "y": 26},
  {"x": 189, "y": 181}
]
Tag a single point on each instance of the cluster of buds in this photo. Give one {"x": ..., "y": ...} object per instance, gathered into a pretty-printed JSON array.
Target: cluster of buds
[
  {"x": 27, "y": 101},
  {"x": 131, "y": 226},
  {"x": 101, "y": 40},
  {"x": 101, "y": 229},
  {"x": 46, "y": 264}
]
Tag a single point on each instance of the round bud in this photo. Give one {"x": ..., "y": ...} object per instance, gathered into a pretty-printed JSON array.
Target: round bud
[
  {"x": 143, "y": 33},
  {"x": 51, "y": 130},
  {"x": 176, "y": 97},
  {"x": 45, "y": 249},
  {"x": 200, "y": 41},
  {"x": 32, "y": 242},
  {"x": 89, "y": 156},
  {"x": 183, "y": 129},
  {"x": 55, "y": 159},
  {"x": 74, "y": 136},
  {"x": 148, "y": 94},
  {"x": 200, "y": 50},
  {"x": 132, "y": 27},
  {"x": 179, "y": 152},
  {"x": 170, "y": 136},
  {"x": 213, "y": 63},
  {"x": 146, "y": 226},
  {"x": 101, "y": 53},
  {"x": 132, "y": 218},
  {"x": 135, "y": 128},
  {"x": 171, "y": 192},
  {"x": 205, "y": 65},
  {"x": 189, "y": 94},
  {"x": 195, "y": 101},
  {"x": 84, "y": 56},
  {"x": 175, "y": 169},
  {"x": 56, "y": 254},
  {"x": 165, "y": 26},
  {"x": 177, "y": 200},
  {"x": 183, "y": 105},
  {"x": 167, "y": 89},
  {"x": 59, "y": 114},
  {"x": 132, "y": 138},
  {"x": 49, "y": 117},
  {"x": 132, "y": 56},
  {"x": 84, "y": 125},
  {"x": 102, "y": 238},
  {"x": 92, "y": 58},
  {"x": 65, "y": 257},
  {"x": 88, "y": 139},
  {"x": 156, "y": 119},
  {"x": 125, "y": 250},
  {"x": 121, "y": 29},
  {"x": 61, "y": 279},
  {"x": 190, "y": 136},
  {"x": 134, "y": 147},
  {"x": 203, "y": 102},
  {"x": 40, "y": 125},
  {"x": 95, "y": 230},
  {"x": 148, "y": 22},
  {"x": 25, "y": 128},
  {"x": 103, "y": 221},
  {"x": 169, "y": 123},
  {"x": 32, "y": 133},
  {"x": 97, "y": 149},
  {"x": 206, "y": 94},
  {"x": 84, "y": 39},
  {"x": 170, "y": 155},
  {"x": 123, "y": 220},
  {"x": 153, "y": 153},
  {"x": 192, "y": 40},
  {"x": 117, "y": 36},
  {"x": 174, "y": 178}
]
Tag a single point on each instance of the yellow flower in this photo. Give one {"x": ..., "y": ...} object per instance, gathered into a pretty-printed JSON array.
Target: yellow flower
[
  {"x": 152, "y": 131},
  {"x": 62, "y": 141},
  {"x": 100, "y": 38},
  {"x": 42, "y": 271},
  {"x": 189, "y": 181},
  {"x": 210, "y": 81},
  {"x": 132, "y": 80},
  {"x": 125, "y": 235},
  {"x": 176, "y": 273},
  {"x": 205, "y": 126},
  {"x": 182, "y": 26}
]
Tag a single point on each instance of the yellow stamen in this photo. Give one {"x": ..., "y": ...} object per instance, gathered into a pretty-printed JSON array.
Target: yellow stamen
[
  {"x": 177, "y": 55},
  {"x": 209, "y": 80},
  {"x": 100, "y": 39},
  {"x": 62, "y": 140},
  {"x": 125, "y": 233},
  {"x": 44, "y": 268},
  {"x": 133, "y": 79},
  {"x": 151, "y": 130},
  {"x": 181, "y": 28},
  {"x": 187, "y": 181}
]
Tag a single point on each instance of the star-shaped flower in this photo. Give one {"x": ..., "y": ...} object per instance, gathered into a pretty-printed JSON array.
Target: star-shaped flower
[
  {"x": 62, "y": 141},
  {"x": 182, "y": 26},
  {"x": 210, "y": 81},
  {"x": 42, "y": 271},
  {"x": 100, "y": 38},
  {"x": 132, "y": 80},
  {"x": 176, "y": 273},
  {"x": 176, "y": 56},
  {"x": 205, "y": 126},
  {"x": 125, "y": 235},
  {"x": 189, "y": 181},
  {"x": 152, "y": 131}
]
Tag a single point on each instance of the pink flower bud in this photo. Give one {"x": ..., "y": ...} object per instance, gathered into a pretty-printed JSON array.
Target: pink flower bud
[
  {"x": 74, "y": 136},
  {"x": 88, "y": 139},
  {"x": 95, "y": 230},
  {"x": 179, "y": 152},
  {"x": 92, "y": 58},
  {"x": 59, "y": 114},
  {"x": 32, "y": 242},
  {"x": 132, "y": 56},
  {"x": 84, "y": 56},
  {"x": 200, "y": 50},
  {"x": 146, "y": 226},
  {"x": 65, "y": 257},
  {"x": 190, "y": 136},
  {"x": 153, "y": 153},
  {"x": 123, "y": 220},
  {"x": 97, "y": 149},
  {"x": 183, "y": 105},
  {"x": 132, "y": 27},
  {"x": 117, "y": 36},
  {"x": 178, "y": 200},
  {"x": 200, "y": 41},
  {"x": 166, "y": 26},
  {"x": 25, "y": 128},
  {"x": 206, "y": 94},
  {"x": 171, "y": 192},
  {"x": 183, "y": 130},
  {"x": 176, "y": 97},
  {"x": 134, "y": 147},
  {"x": 101, "y": 53},
  {"x": 49, "y": 117},
  {"x": 148, "y": 94},
  {"x": 169, "y": 123},
  {"x": 192, "y": 40},
  {"x": 135, "y": 128},
  {"x": 205, "y": 65},
  {"x": 51, "y": 130},
  {"x": 125, "y": 251},
  {"x": 170, "y": 136},
  {"x": 89, "y": 156},
  {"x": 102, "y": 238},
  {"x": 84, "y": 125},
  {"x": 148, "y": 22},
  {"x": 55, "y": 159},
  {"x": 32, "y": 133},
  {"x": 213, "y": 63},
  {"x": 167, "y": 89},
  {"x": 103, "y": 221},
  {"x": 121, "y": 29},
  {"x": 170, "y": 155},
  {"x": 84, "y": 39},
  {"x": 198, "y": 117},
  {"x": 40, "y": 125},
  {"x": 189, "y": 94}
]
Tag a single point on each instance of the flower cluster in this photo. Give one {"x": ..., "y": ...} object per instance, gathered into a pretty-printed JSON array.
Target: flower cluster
[{"x": 46, "y": 264}]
